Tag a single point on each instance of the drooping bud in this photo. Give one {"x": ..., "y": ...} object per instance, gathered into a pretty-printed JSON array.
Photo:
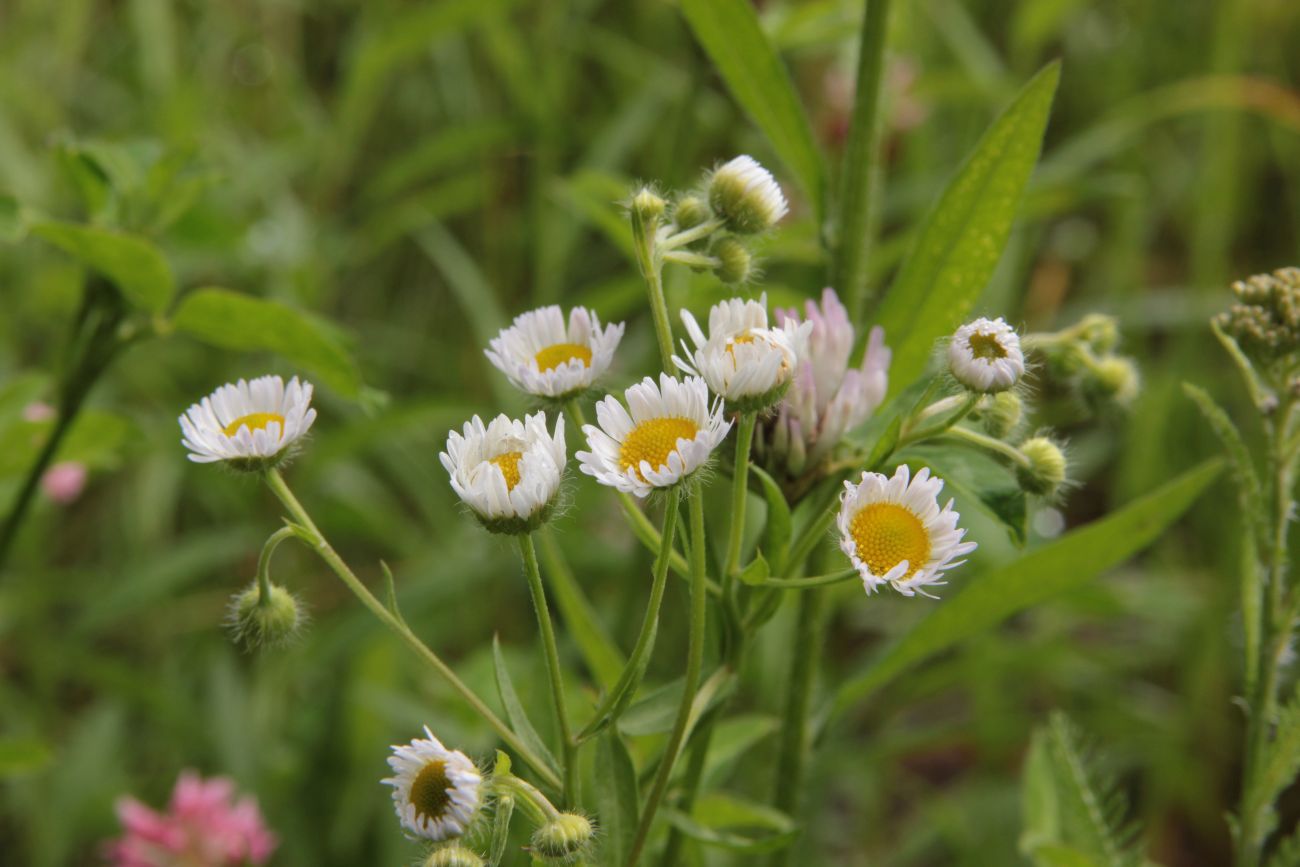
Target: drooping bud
[
  {"x": 454, "y": 855},
  {"x": 563, "y": 840},
  {"x": 648, "y": 205},
  {"x": 1001, "y": 413},
  {"x": 736, "y": 262},
  {"x": 1044, "y": 470},
  {"x": 746, "y": 196},
  {"x": 690, "y": 211},
  {"x": 273, "y": 618}
]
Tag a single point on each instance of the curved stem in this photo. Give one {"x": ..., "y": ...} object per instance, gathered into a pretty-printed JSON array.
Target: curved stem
[
  {"x": 691, "y": 682},
  {"x": 553, "y": 671},
  {"x": 689, "y": 236},
  {"x": 624, "y": 691},
  {"x": 264, "y": 562},
  {"x": 989, "y": 443},
  {"x": 327, "y": 553}
]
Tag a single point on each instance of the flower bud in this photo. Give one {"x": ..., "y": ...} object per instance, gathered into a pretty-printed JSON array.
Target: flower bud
[
  {"x": 985, "y": 356},
  {"x": 648, "y": 205},
  {"x": 746, "y": 196},
  {"x": 1116, "y": 378},
  {"x": 563, "y": 840},
  {"x": 1100, "y": 332},
  {"x": 273, "y": 620},
  {"x": 690, "y": 211},
  {"x": 1044, "y": 471},
  {"x": 454, "y": 855},
  {"x": 1001, "y": 413},
  {"x": 736, "y": 262}
]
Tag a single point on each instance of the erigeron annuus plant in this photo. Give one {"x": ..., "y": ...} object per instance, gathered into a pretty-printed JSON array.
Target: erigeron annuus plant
[{"x": 791, "y": 393}]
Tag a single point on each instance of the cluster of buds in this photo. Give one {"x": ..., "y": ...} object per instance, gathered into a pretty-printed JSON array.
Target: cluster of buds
[
  {"x": 1262, "y": 333},
  {"x": 1084, "y": 355}
]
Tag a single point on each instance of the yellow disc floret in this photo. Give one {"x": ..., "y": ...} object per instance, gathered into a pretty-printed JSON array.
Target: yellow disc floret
[
  {"x": 886, "y": 534},
  {"x": 509, "y": 464},
  {"x": 653, "y": 441},
  {"x": 986, "y": 346},
  {"x": 431, "y": 791},
  {"x": 560, "y": 353},
  {"x": 254, "y": 421}
]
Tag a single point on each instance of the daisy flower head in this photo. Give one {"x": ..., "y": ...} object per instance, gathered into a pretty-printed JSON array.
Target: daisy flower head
[
  {"x": 746, "y": 196},
  {"x": 545, "y": 357},
  {"x": 894, "y": 532},
  {"x": 435, "y": 790},
  {"x": 741, "y": 359},
  {"x": 508, "y": 472},
  {"x": 667, "y": 432},
  {"x": 249, "y": 425},
  {"x": 985, "y": 355}
]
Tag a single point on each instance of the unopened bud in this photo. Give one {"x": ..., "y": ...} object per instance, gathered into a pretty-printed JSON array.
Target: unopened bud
[
  {"x": 648, "y": 205},
  {"x": 273, "y": 620},
  {"x": 1116, "y": 378},
  {"x": 746, "y": 196},
  {"x": 454, "y": 855},
  {"x": 1044, "y": 470},
  {"x": 735, "y": 262},
  {"x": 563, "y": 840},
  {"x": 1001, "y": 413},
  {"x": 1100, "y": 332},
  {"x": 690, "y": 211}
]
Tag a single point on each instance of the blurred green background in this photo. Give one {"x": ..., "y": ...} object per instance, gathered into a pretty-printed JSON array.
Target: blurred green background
[{"x": 418, "y": 172}]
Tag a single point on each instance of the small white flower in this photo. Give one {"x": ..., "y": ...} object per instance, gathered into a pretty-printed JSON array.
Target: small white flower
[
  {"x": 746, "y": 196},
  {"x": 741, "y": 359},
  {"x": 248, "y": 424},
  {"x": 508, "y": 471},
  {"x": 435, "y": 790},
  {"x": 546, "y": 358},
  {"x": 985, "y": 355},
  {"x": 895, "y": 533},
  {"x": 670, "y": 433}
]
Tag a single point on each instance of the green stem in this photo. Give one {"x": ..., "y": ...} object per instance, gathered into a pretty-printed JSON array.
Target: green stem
[
  {"x": 690, "y": 784},
  {"x": 739, "y": 496},
  {"x": 623, "y": 692},
  {"x": 690, "y": 236},
  {"x": 553, "y": 671},
  {"x": 327, "y": 553},
  {"x": 989, "y": 443},
  {"x": 264, "y": 562},
  {"x": 807, "y": 583},
  {"x": 814, "y": 533},
  {"x": 648, "y": 260},
  {"x": 691, "y": 682}
]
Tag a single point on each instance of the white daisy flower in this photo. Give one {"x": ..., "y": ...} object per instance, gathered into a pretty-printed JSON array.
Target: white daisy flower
[
  {"x": 507, "y": 471},
  {"x": 985, "y": 355},
  {"x": 546, "y": 358},
  {"x": 250, "y": 425},
  {"x": 670, "y": 433},
  {"x": 746, "y": 196},
  {"x": 741, "y": 359},
  {"x": 435, "y": 790},
  {"x": 895, "y": 533}
]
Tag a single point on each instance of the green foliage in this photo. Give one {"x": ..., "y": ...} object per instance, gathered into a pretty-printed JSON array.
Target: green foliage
[
  {"x": 515, "y": 712},
  {"x": 617, "y": 795},
  {"x": 134, "y": 265},
  {"x": 735, "y": 824}
]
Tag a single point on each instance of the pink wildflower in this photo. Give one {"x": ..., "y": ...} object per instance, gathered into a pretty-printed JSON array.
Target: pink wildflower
[
  {"x": 64, "y": 481},
  {"x": 203, "y": 827}
]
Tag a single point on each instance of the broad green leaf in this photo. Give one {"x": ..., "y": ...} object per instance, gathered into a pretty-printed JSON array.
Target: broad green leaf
[
  {"x": 732, "y": 738},
  {"x": 1056, "y": 568},
  {"x": 779, "y": 528},
  {"x": 756, "y": 572},
  {"x": 732, "y": 823},
  {"x": 133, "y": 264},
  {"x": 617, "y": 795},
  {"x": 599, "y": 651},
  {"x": 961, "y": 241},
  {"x": 977, "y": 480},
  {"x": 653, "y": 714},
  {"x": 515, "y": 712},
  {"x": 231, "y": 320},
  {"x": 731, "y": 35}
]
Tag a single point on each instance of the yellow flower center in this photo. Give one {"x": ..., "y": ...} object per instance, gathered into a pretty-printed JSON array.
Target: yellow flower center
[
  {"x": 509, "y": 464},
  {"x": 254, "y": 422},
  {"x": 559, "y": 353},
  {"x": 886, "y": 534},
  {"x": 986, "y": 346},
  {"x": 431, "y": 791},
  {"x": 653, "y": 441}
]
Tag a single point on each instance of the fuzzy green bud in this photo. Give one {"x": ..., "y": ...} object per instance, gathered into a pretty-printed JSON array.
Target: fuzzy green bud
[
  {"x": 1001, "y": 413},
  {"x": 1044, "y": 470},
  {"x": 1099, "y": 331},
  {"x": 735, "y": 262},
  {"x": 564, "y": 839},
  {"x": 746, "y": 196},
  {"x": 690, "y": 211},
  {"x": 648, "y": 205},
  {"x": 272, "y": 619},
  {"x": 1116, "y": 378},
  {"x": 454, "y": 855}
]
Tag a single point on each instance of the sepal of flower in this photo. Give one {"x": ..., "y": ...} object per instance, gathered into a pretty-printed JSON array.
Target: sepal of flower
[
  {"x": 249, "y": 425},
  {"x": 985, "y": 356},
  {"x": 566, "y": 839},
  {"x": 508, "y": 472},
  {"x": 667, "y": 431},
  {"x": 894, "y": 532},
  {"x": 436, "y": 791},
  {"x": 453, "y": 855},
  {"x": 542, "y": 355},
  {"x": 735, "y": 262},
  {"x": 746, "y": 196}
]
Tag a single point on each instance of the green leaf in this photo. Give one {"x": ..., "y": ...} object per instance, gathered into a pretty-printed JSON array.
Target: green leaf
[
  {"x": 1038, "y": 810},
  {"x": 1091, "y": 807},
  {"x": 515, "y": 710},
  {"x": 961, "y": 241},
  {"x": 133, "y": 264},
  {"x": 1280, "y": 766},
  {"x": 735, "y": 824},
  {"x": 1051, "y": 570},
  {"x": 779, "y": 529},
  {"x": 732, "y": 738},
  {"x": 978, "y": 480},
  {"x": 1239, "y": 460},
  {"x": 730, "y": 34},
  {"x": 756, "y": 572},
  {"x": 231, "y": 320},
  {"x": 616, "y": 793}
]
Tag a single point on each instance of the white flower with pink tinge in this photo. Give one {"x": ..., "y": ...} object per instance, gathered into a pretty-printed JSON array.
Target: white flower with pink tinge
[
  {"x": 203, "y": 827},
  {"x": 827, "y": 398}
]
